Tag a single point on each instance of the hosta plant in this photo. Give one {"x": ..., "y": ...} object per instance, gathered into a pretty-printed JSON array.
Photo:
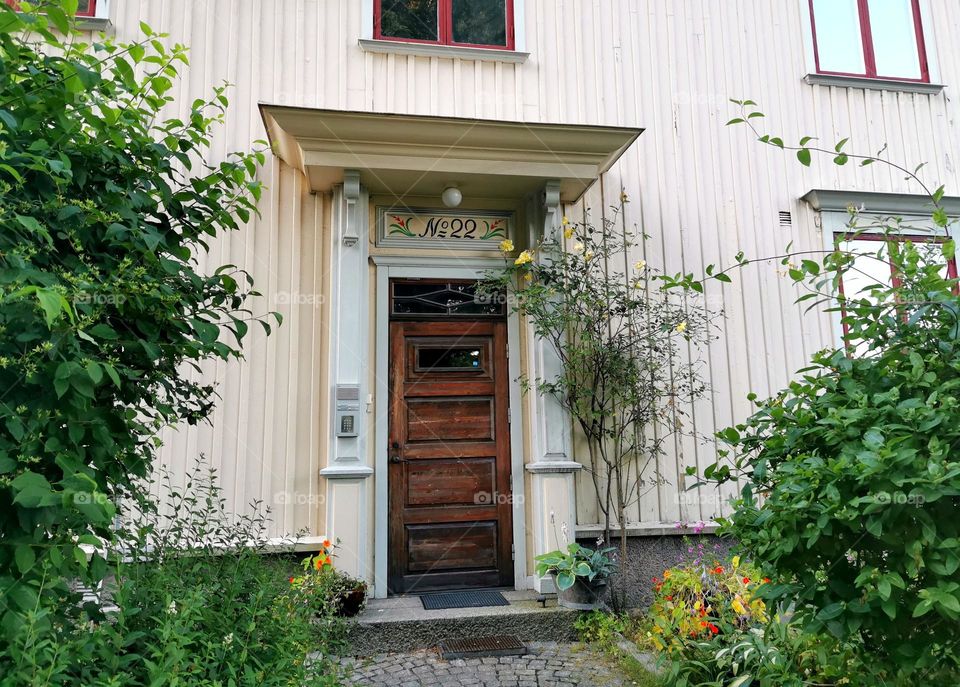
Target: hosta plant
[{"x": 593, "y": 565}]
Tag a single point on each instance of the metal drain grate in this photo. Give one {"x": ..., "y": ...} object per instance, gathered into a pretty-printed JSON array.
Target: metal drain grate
[
  {"x": 497, "y": 645},
  {"x": 435, "y": 602}
]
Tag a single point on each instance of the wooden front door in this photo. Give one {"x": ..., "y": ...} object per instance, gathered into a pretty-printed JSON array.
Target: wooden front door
[{"x": 449, "y": 456}]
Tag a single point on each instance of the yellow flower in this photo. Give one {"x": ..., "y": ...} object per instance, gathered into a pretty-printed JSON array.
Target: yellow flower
[
  {"x": 568, "y": 233},
  {"x": 528, "y": 277},
  {"x": 682, "y": 327},
  {"x": 578, "y": 247},
  {"x": 738, "y": 606},
  {"x": 565, "y": 220},
  {"x": 640, "y": 264},
  {"x": 506, "y": 246},
  {"x": 624, "y": 198},
  {"x": 588, "y": 255},
  {"x": 524, "y": 257},
  {"x": 736, "y": 561},
  {"x": 666, "y": 574}
]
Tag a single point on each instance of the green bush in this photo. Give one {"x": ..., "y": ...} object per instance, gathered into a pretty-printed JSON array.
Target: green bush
[
  {"x": 852, "y": 479},
  {"x": 195, "y": 601},
  {"x": 106, "y": 211},
  {"x": 774, "y": 654}
]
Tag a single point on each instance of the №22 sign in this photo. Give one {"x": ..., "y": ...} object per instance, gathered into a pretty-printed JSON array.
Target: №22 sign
[{"x": 443, "y": 228}]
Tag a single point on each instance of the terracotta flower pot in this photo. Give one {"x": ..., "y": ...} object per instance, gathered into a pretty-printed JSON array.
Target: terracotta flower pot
[{"x": 584, "y": 595}]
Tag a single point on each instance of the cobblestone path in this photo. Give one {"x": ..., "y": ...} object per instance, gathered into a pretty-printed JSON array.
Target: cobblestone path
[{"x": 548, "y": 664}]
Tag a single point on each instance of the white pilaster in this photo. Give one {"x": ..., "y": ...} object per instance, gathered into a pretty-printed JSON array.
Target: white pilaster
[
  {"x": 347, "y": 469},
  {"x": 551, "y": 466}
]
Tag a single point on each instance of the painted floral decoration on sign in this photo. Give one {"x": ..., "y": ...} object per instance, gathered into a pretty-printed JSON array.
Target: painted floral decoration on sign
[{"x": 426, "y": 226}]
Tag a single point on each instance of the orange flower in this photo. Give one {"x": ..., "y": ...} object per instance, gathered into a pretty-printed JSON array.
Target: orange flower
[
  {"x": 766, "y": 580},
  {"x": 291, "y": 580},
  {"x": 326, "y": 543},
  {"x": 746, "y": 580},
  {"x": 318, "y": 563}
]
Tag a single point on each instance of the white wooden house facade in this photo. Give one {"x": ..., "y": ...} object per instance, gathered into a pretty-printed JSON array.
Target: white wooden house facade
[{"x": 531, "y": 110}]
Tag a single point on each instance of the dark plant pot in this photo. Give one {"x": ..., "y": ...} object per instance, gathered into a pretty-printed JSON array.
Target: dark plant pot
[
  {"x": 583, "y": 595},
  {"x": 349, "y": 604}
]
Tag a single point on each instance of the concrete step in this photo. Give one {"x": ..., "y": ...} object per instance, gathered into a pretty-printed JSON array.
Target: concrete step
[{"x": 401, "y": 624}]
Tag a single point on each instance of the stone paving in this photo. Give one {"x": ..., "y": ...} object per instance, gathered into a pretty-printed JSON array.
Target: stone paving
[{"x": 548, "y": 664}]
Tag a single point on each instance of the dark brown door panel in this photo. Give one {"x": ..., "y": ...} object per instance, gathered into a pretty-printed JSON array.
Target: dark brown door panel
[{"x": 449, "y": 456}]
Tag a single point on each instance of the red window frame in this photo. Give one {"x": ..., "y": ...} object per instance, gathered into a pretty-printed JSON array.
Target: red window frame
[
  {"x": 445, "y": 28},
  {"x": 952, "y": 272},
  {"x": 91, "y": 11},
  {"x": 869, "y": 54}
]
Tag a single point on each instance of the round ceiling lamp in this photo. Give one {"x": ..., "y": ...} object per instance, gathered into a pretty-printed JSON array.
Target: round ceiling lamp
[{"x": 452, "y": 197}]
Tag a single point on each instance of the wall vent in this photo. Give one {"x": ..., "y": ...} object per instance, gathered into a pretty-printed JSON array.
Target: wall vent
[{"x": 786, "y": 219}]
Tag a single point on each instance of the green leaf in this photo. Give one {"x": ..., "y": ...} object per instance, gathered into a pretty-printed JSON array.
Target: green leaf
[
  {"x": 736, "y": 120},
  {"x": 33, "y": 491},
  {"x": 830, "y": 612},
  {"x": 25, "y": 557},
  {"x": 841, "y": 159},
  {"x": 52, "y": 304},
  {"x": 564, "y": 581},
  {"x": 804, "y": 156},
  {"x": 841, "y": 144}
]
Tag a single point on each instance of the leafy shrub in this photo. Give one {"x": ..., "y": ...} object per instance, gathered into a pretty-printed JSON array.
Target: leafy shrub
[
  {"x": 702, "y": 599},
  {"x": 853, "y": 485},
  {"x": 776, "y": 654},
  {"x": 106, "y": 210},
  {"x": 195, "y": 601},
  {"x": 851, "y": 476}
]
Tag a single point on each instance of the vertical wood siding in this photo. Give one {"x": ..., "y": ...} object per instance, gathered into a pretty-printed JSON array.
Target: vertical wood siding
[{"x": 702, "y": 191}]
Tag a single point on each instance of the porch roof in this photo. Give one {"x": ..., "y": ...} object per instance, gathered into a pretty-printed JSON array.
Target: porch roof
[{"x": 421, "y": 155}]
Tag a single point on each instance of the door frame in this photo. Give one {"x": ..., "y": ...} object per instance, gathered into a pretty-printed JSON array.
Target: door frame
[{"x": 406, "y": 267}]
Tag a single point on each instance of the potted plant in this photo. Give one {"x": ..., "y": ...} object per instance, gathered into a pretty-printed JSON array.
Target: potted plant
[
  {"x": 579, "y": 573},
  {"x": 331, "y": 590}
]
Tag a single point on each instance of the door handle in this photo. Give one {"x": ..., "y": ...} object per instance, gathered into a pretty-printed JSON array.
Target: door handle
[{"x": 396, "y": 459}]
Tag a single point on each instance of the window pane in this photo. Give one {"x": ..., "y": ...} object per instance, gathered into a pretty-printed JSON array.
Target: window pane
[
  {"x": 465, "y": 358},
  {"x": 839, "y": 42},
  {"x": 84, "y": 7},
  {"x": 895, "y": 38},
  {"x": 481, "y": 22},
  {"x": 416, "y": 19}
]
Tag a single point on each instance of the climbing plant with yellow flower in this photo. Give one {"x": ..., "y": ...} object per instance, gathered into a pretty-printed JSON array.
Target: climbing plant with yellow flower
[{"x": 617, "y": 337}]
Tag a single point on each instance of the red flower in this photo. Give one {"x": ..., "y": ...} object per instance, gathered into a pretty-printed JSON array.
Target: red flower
[
  {"x": 718, "y": 570},
  {"x": 714, "y": 629},
  {"x": 291, "y": 580},
  {"x": 766, "y": 580},
  {"x": 670, "y": 598},
  {"x": 703, "y": 623},
  {"x": 746, "y": 580}
]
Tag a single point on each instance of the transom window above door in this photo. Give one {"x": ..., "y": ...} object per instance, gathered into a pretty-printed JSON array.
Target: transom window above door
[
  {"x": 874, "y": 39},
  {"x": 471, "y": 23}
]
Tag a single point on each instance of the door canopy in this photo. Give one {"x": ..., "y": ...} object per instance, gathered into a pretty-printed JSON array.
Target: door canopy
[{"x": 403, "y": 155}]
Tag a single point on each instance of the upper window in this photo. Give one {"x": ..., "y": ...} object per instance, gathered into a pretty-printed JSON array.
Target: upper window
[
  {"x": 85, "y": 8},
  {"x": 876, "y": 39},
  {"x": 473, "y": 23}
]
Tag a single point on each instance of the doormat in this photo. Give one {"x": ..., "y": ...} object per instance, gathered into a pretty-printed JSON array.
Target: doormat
[
  {"x": 499, "y": 645},
  {"x": 436, "y": 602}
]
